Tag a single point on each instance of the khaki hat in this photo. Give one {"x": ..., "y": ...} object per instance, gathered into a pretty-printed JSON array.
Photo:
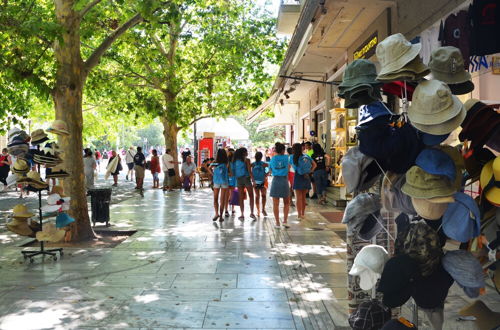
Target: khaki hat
[
  {"x": 20, "y": 226},
  {"x": 420, "y": 184},
  {"x": 58, "y": 127},
  {"x": 447, "y": 65},
  {"x": 38, "y": 136},
  {"x": 358, "y": 72},
  {"x": 34, "y": 180},
  {"x": 490, "y": 181},
  {"x": 50, "y": 233},
  {"x": 413, "y": 71},
  {"x": 21, "y": 211},
  {"x": 434, "y": 109},
  {"x": 431, "y": 209},
  {"x": 20, "y": 166},
  {"x": 394, "y": 52}
]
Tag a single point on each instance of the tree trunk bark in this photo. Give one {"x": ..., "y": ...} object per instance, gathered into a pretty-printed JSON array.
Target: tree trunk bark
[
  {"x": 170, "y": 131},
  {"x": 67, "y": 94}
]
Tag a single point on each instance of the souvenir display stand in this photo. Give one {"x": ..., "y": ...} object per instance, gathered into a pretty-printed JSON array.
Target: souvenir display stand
[{"x": 423, "y": 211}]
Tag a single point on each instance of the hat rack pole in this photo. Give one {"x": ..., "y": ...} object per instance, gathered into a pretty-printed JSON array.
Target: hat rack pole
[{"x": 51, "y": 252}]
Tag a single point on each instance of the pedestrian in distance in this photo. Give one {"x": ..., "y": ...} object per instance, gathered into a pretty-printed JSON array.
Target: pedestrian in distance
[
  {"x": 280, "y": 188},
  {"x": 129, "y": 159},
  {"x": 244, "y": 179},
  {"x": 231, "y": 182},
  {"x": 139, "y": 168},
  {"x": 220, "y": 174},
  {"x": 114, "y": 167},
  {"x": 155, "y": 169},
  {"x": 89, "y": 166},
  {"x": 259, "y": 169},
  {"x": 320, "y": 175},
  {"x": 168, "y": 170},
  {"x": 303, "y": 166}
]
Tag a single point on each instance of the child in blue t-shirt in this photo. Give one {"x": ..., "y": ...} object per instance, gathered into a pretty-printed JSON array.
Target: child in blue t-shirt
[{"x": 259, "y": 172}]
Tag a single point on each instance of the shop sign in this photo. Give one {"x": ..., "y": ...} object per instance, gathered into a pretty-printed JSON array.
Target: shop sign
[{"x": 367, "y": 48}]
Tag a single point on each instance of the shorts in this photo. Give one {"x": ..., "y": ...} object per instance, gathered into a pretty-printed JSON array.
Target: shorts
[
  {"x": 139, "y": 172},
  {"x": 280, "y": 187},
  {"x": 219, "y": 186},
  {"x": 130, "y": 166},
  {"x": 167, "y": 180},
  {"x": 155, "y": 176},
  {"x": 244, "y": 181},
  {"x": 301, "y": 182}
]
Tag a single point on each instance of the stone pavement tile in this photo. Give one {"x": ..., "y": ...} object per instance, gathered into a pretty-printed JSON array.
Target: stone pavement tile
[
  {"x": 240, "y": 315},
  {"x": 311, "y": 251},
  {"x": 186, "y": 267},
  {"x": 331, "y": 280},
  {"x": 253, "y": 254},
  {"x": 183, "y": 294},
  {"x": 337, "y": 309},
  {"x": 244, "y": 295},
  {"x": 123, "y": 266},
  {"x": 145, "y": 281},
  {"x": 209, "y": 281},
  {"x": 159, "y": 313},
  {"x": 248, "y": 267},
  {"x": 215, "y": 256},
  {"x": 260, "y": 281},
  {"x": 333, "y": 265}
]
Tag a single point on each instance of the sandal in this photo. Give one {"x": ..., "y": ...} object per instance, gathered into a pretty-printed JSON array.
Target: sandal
[
  {"x": 226, "y": 214},
  {"x": 264, "y": 213},
  {"x": 215, "y": 218},
  {"x": 242, "y": 218},
  {"x": 253, "y": 216},
  {"x": 221, "y": 219}
]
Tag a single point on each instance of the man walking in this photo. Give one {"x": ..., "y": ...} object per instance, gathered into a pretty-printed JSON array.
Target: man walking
[
  {"x": 139, "y": 168},
  {"x": 188, "y": 169},
  {"x": 168, "y": 170},
  {"x": 129, "y": 159}
]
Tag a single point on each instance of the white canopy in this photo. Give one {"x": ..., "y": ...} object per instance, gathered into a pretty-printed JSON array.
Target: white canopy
[
  {"x": 228, "y": 127},
  {"x": 283, "y": 115}
]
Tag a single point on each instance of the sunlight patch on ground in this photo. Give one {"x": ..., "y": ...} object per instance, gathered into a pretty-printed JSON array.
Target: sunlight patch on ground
[
  {"x": 147, "y": 298},
  {"x": 299, "y": 249}
]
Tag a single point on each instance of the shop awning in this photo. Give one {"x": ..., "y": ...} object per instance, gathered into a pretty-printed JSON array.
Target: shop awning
[
  {"x": 261, "y": 108},
  {"x": 228, "y": 127},
  {"x": 283, "y": 115}
]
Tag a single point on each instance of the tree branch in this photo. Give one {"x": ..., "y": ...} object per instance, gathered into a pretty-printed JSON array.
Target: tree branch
[
  {"x": 199, "y": 118},
  {"x": 88, "y": 7},
  {"x": 93, "y": 59}
]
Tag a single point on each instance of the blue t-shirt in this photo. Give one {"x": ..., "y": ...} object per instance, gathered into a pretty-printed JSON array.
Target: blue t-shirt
[
  {"x": 279, "y": 165},
  {"x": 221, "y": 173},
  {"x": 240, "y": 169}
]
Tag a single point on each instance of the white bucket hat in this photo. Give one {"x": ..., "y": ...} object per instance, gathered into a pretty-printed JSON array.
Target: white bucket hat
[
  {"x": 55, "y": 202},
  {"x": 368, "y": 265},
  {"x": 394, "y": 52},
  {"x": 434, "y": 109}
]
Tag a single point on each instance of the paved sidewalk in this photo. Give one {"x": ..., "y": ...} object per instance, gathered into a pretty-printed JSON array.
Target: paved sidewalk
[{"x": 179, "y": 270}]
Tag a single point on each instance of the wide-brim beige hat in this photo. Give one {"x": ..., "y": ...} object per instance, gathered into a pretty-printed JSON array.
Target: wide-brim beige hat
[
  {"x": 58, "y": 127},
  {"x": 21, "y": 211},
  {"x": 394, "y": 52},
  {"x": 442, "y": 128},
  {"x": 431, "y": 209},
  {"x": 50, "y": 233},
  {"x": 20, "y": 226}
]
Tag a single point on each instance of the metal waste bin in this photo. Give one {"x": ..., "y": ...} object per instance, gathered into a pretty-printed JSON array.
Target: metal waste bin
[{"x": 99, "y": 203}]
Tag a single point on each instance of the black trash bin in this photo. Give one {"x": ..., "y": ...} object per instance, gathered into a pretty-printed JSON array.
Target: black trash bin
[{"x": 99, "y": 203}]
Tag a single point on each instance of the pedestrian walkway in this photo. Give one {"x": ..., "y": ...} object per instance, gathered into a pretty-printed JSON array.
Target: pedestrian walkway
[{"x": 181, "y": 270}]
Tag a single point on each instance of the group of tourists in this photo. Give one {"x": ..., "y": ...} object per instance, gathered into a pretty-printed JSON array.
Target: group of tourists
[{"x": 235, "y": 177}]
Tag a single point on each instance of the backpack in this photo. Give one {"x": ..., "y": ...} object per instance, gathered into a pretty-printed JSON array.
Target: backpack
[
  {"x": 259, "y": 172},
  {"x": 220, "y": 172},
  {"x": 304, "y": 166}
]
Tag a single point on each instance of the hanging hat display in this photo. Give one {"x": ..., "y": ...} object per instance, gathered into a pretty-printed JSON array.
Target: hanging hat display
[
  {"x": 50, "y": 233},
  {"x": 396, "y": 281},
  {"x": 415, "y": 70},
  {"x": 21, "y": 211},
  {"x": 19, "y": 225},
  {"x": 432, "y": 140},
  {"x": 393, "y": 199},
  {"x": 431, "y": 291},
  {"x": 480, "y": 123},
  {"x": 21, "y": 166},
  {"x": 490, "y": 181},
  {"x": 462, "y": 219},
  {"x": 435, "y": 161},
  {"x": 370, "y": 314},
  {"x": 465, "y": 270},
  {"x": 359, "y": 213},
  {"x": 33, "y": 179},
  {"x": 63, "y": 220},
  {"x": 434, "y": 109},
  {"x": 56, "y": 203},
  {"x": 368, "y": 265},
  {"x": 420, "y": 184},
  {"x": 38, "y": 136},
  {"x": 371, "y": 111},
  {"x": 359, "y": 170},
  {"x": 458, "y": 161},
  {"x": 358, "y": 85},
  {"x": 447, "y": 65},
  {"x": 58, "y": 127},
  {"x": 420, "y": 242}
]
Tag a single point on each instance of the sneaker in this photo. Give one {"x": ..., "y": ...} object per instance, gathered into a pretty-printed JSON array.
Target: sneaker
[
  {"x": 277, "y": 226},
  {"x": 314, "y": 196}
]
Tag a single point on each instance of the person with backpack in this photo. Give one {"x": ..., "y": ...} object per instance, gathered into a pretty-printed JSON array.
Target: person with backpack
[
  {"x": 260, "y": 182},
  {"x": 280, "y": 188},
  {"x": 219, "y": 171},
  {"x": 320, "y": 175},
  {"x": 139, "y": 168},
  {"x": 231, "y": 182},
  {"x": 244, "y": 178},
  {"x": 303, "y": 166}
]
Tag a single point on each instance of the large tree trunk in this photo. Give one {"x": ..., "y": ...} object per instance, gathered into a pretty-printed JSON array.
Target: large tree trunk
[
  {"x": 170, "y": 131},
  {"x": 67, "y": 94}
]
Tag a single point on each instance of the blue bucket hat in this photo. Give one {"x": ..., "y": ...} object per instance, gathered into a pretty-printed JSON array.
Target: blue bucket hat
[
  {"x": 465, "y": 270},
  {"x": 436, "y": 162},
  {"x": 63, "y": 219},
  {"x": 432, "y": 140},
  {"x": 461, "y": 221},
  {"x": 371, "y": 111}
]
